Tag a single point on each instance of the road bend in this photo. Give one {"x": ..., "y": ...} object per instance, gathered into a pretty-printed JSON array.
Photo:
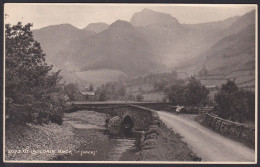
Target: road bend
[{"x": 209, "y": 145}]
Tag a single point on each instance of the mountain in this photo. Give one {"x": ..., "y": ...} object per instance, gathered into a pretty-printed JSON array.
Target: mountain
[
  {"x": 164, "y": 32},
  {"x": 96, "y": 27},
  {"x": 178, "y": 43},
  {"x": 203, "y": 35},
  {"x": 231, "y": 57},
  {"x": 54, "y": 39},
  {"x": 150, "y": 42},
  {"x": 233, "y": 35},
  {"x": 148, "y": 17},
  {"x": 120, "y": 47},
  {"x": 212, "y": 26},
  {"x": 232, "y": 52}
]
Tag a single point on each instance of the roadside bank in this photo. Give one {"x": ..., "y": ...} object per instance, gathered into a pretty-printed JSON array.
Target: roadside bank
[{"x": 83, "y": 136}]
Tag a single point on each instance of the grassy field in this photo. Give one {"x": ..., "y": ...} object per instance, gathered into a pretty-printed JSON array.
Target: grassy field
[
  {"x": 99, "y": 77},
  {"x": 136, "y": 88},
  {"x": 153, "y": 97}
]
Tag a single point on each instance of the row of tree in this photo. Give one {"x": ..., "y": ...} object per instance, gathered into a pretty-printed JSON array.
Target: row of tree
[
  {"x": 191, "y": 94},
  {"x": 111, "y": 91},
  {"x": 235, "y": 104},
  {"x": 229, "y": 102}
]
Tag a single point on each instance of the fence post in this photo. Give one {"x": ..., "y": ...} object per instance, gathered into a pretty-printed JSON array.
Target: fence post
[{"x": 220, "y": 123}]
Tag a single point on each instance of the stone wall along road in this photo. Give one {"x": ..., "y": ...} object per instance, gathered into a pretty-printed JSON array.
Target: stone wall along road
[{"x": 209, "y": 145}]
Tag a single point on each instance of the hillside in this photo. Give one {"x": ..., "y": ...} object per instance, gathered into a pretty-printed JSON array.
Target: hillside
[
  {"x": 178, "y": 43},
  {"x": 164, "y": 32},
  {"x": 148, "y": 17},
  {"x": 54, "y": 39},
  {"x": 149, "y": 43},
  {"x": 232, "y": 57},
  {"x": 120, "y": 47}
]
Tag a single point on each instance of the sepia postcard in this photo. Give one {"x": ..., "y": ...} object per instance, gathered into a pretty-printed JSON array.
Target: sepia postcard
[{"x": 130, "y": 83}]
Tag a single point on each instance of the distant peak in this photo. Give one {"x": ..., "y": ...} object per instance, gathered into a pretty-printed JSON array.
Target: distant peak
[
  {"x": 147, "y": 10},
  {"x": 121, "y": 23},
  {"x": 97, "y": 23},
  {"x": 66, "y": 25},
  {"x": 60, "y": 26},
  {"x": 96, "y": 27},
  {"x": 150, "y": 17},
  {"x": 152, "y": 12}
]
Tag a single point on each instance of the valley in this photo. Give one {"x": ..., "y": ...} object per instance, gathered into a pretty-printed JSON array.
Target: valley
[{"x": 102, "y": 53}]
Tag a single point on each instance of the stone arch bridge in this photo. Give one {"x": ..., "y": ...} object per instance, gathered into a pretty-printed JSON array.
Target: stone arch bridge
[{"x": 140, "y": 117}]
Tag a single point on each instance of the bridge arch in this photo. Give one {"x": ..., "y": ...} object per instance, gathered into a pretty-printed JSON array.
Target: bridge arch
[{"x": 127, "y": 123}]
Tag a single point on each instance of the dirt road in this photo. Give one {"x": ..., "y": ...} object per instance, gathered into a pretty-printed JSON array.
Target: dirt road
[{"x": 209, "y": 145}]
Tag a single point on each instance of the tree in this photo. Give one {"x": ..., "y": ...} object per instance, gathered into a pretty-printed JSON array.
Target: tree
[
  {"x": 91, "y": 88},
  {"x": 30, "y": 85},
  {"x": 160, "y": 85},
  {"x": 121, "y": 91},
  {"x": 195, "y": 93},
  {"x": 71, "y": 91},
  {"x": 139, "y": 97},
  {"x": 176, "y": 94},
  {"x": 234, "y": 104},
  {"x": 103, "y": 96}
]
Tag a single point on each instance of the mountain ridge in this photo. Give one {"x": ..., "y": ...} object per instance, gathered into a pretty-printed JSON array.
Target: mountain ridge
[
  {"x": 96, "y": 27},
  {"x": 150, "y": 41}
]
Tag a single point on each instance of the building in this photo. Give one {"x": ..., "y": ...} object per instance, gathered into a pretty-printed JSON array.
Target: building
[
  {"x": 203, "y": 72},
  {"x": 86, "y": 96}
]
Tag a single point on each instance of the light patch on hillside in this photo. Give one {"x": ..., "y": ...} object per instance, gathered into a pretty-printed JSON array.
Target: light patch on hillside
[{"x": 99, "y": 77}]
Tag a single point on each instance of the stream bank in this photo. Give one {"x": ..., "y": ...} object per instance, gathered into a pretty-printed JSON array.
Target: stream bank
[{"x": 83, "y": 136}]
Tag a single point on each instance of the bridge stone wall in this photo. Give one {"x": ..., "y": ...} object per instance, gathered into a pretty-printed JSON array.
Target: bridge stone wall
[{"x": 141, "y": 117}]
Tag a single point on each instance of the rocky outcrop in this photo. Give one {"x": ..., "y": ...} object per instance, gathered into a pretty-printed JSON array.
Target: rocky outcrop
[{"x": 114, "y": 122}]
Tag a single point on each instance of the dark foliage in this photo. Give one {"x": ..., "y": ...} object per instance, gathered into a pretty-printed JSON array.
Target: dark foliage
[
  {"x": 31, "y": 88},
  {"x": 196, "y": 94},
  {"x": 139, "y": 97},
  {"x": 71, "y": 90},
  {"x": 111, "y": 91},
  {"x": 234, "y": 104},
  {"x": 191, "y": 94}
]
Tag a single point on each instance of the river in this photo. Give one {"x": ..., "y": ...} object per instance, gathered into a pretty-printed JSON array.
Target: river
[{"x": 97, "y": 143}]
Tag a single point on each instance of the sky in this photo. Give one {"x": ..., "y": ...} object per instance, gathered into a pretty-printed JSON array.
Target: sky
[{"x": 80, "y": 15}]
